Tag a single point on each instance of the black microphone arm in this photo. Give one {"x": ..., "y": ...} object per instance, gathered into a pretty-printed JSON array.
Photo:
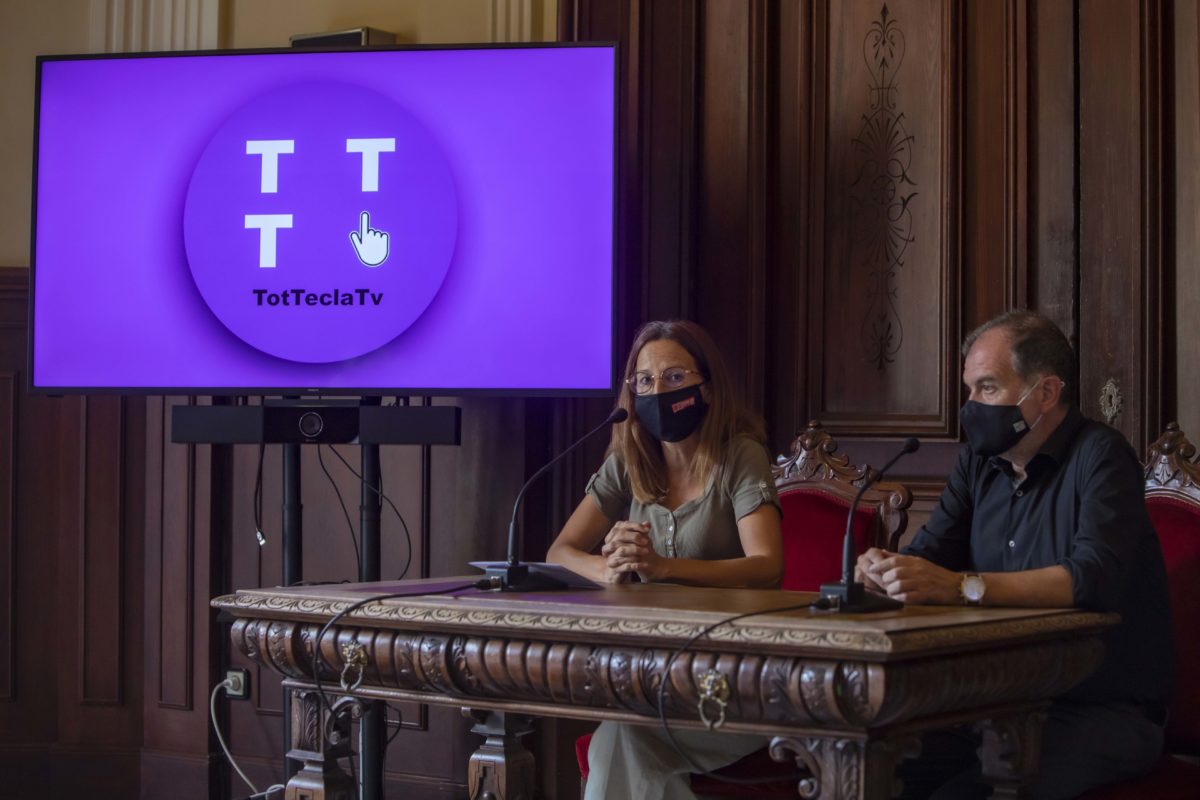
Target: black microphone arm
[
  {"x": 515, "y": 576},
  {"x": 848, "y": 596}
]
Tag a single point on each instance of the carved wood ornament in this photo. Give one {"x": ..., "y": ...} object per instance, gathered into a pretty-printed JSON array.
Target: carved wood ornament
[
  {"x": 882, "y": 191},
  {"x": 814, "y": 464},
  {"x": 1171, "y": 464}
]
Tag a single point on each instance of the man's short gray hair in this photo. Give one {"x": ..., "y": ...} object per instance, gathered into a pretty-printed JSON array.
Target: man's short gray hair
[{"x": 1039, "y": 347}]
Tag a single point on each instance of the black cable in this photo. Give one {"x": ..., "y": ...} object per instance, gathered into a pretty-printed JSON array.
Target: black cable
[
  {"x": 342, "y": 503},
  {"x": 258, "y": 534},
  {"x": 399, "y": 725},
  {"x": 316, "y": 672},
  {"x": 379, "y": 491},
  {"x": 821, "y": 603}
]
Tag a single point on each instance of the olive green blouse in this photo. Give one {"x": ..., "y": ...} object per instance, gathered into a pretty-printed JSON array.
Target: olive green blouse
[{"x": 706, "y": 526}]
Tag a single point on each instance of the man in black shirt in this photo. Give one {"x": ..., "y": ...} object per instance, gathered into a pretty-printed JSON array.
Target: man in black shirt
[{"x": 1045, "y": 508}]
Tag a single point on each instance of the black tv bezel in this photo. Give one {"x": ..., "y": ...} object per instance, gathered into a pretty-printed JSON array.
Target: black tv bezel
[{"x": 338, "y": 391}]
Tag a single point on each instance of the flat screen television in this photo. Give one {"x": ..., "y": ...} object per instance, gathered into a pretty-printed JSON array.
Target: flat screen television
[{"x": 421, "y": 220}]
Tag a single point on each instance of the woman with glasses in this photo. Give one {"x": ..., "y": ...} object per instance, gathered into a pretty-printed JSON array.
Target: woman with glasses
[{"x": 685, "y": 495}]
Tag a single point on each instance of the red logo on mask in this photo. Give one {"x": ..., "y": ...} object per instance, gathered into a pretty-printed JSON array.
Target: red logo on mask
[{"x": 682, "y": 404}]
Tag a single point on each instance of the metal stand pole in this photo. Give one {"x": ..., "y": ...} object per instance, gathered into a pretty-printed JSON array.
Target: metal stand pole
[
  {"x": 372, "y": 728},
  {"x": 293, "y": 569}
]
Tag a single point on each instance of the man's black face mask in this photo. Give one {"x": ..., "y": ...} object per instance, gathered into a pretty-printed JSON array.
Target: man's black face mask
[{"x": 992, "y": 430}]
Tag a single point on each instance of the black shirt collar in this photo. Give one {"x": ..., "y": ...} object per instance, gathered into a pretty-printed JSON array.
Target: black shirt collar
[{"x": 1055, "y": 448}]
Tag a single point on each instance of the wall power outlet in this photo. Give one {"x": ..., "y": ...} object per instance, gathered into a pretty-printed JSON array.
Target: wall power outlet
[{"x": 238, "y": 681}]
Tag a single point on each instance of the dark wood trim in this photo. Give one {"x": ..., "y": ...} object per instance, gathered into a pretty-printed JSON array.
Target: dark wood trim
[
  {"x": 1016, "y": 151},
  {"x": 1154, "y": 59},
  {"x": 178, "y": 467},
  {"x": 1052, "y": 164},
  {"x": 785, "y": 406},
  {"x": 101, "y": 549},
  {"x": 8, "y": 528},
  {"x": 761, "y": 50},
  {"x": 1121, "y": 82},
  {"x": 953, "y": 263}
]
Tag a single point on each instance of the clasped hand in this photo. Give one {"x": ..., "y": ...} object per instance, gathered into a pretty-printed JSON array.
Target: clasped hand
[
  {"x": 909, "y": 579},
  {"x": 627, "y": 550}
]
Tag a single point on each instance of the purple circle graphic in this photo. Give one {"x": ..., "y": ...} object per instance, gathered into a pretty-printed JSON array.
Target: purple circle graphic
[{"x": 320, "y": 221}]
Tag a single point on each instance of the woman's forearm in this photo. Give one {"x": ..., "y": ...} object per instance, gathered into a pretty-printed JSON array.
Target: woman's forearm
[{"x": 581, "y": 563}]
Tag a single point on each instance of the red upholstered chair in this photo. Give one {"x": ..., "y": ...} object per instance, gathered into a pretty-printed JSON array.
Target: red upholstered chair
[
  {"x": 816, "y": 487},
  {"x": 1173, "y": 500}
]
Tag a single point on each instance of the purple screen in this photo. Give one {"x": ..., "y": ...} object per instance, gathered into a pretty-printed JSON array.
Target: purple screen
[{"x": 436, "y": 220}]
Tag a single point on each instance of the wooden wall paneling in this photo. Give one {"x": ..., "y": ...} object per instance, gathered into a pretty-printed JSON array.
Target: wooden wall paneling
[
  {"x": 8, "y": 529},
  {"x": 799, "y": 59},
  {"x": 887, "y": 194},
  {"x": 174, "y": 590},
  {"x": 13, "y": 302},
  {"x": 994, "y": 147},
  {"x": 69, "y": 480},
  {"x": 622, "y": 21},
  {"x": 1120, "y": 44},
  {"x": 1182, "y": 358},
  {"x": 58, "y": 741},
  {"x": 1053, "y": 238},
  {"x": 667, "y": 132},
  {"x": 102, "y": 538},
  {"x": 28, "y": 544},
  {"x": 100, "y": 551},
  {"x": 29, "y": 718},
  {"x": 181, "y": 647},
  {"x": 730, "y": 253}
]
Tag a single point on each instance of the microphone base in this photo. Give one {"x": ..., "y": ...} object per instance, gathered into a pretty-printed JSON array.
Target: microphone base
[
  {"x": 523, "y": 578},
  {"x": 853, "y": 598}
]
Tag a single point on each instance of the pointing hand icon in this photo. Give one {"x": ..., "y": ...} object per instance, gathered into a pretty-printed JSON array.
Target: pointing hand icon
[{"x": 370, "y": 245}]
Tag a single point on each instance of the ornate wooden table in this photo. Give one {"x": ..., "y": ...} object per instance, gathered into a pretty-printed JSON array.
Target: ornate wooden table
[{"x": 844, "y": 696}]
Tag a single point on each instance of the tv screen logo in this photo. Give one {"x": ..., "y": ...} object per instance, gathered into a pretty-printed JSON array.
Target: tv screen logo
[{"x": 314, "y": 208}]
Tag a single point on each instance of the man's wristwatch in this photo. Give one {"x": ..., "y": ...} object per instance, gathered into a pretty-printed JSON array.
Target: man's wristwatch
[{"x": 972, "y": 588}]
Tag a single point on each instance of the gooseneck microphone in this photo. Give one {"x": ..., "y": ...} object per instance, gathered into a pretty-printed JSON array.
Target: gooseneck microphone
[
  {"x": 514, "y": 576},
  {"x": 847, "y": 596}
]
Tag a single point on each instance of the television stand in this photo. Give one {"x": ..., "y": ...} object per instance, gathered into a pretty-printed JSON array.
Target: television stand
[{"x": 292, "y": 422}]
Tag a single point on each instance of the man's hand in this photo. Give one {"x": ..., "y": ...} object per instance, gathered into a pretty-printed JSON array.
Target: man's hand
[
  {"x": 627, "y": 550},
  {"x": 862, "y": 569},
  {"x": 911, "y": 579}
]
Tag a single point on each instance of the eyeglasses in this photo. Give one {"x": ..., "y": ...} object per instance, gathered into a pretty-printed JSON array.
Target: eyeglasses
[{"x": 671, "y": 377}]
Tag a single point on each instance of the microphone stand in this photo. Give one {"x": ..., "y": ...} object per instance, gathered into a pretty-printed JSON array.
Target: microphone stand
[
  {"x": 514, "y": 576},
  {"x": 848, "y": 596}
]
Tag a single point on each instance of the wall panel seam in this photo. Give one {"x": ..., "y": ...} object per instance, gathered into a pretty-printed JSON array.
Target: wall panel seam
[{"x": 8, "y": 687}]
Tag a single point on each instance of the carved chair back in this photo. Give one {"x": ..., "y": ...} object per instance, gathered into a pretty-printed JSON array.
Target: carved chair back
[
  {"x": 816, "y": 487},
  {"x": 1173, "y": 502}
]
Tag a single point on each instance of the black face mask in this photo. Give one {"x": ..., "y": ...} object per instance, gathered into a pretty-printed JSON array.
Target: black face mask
[
  {"x": 671, "y": 416},
  {"x": 992, "y": 430}
]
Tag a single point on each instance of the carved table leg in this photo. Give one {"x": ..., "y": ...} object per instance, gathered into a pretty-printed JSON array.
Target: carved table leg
[
  {"x": 501, "y": 769},
  {"x": 846, "y": 769},
  {"x": 321, "y": 778},
  {"x": 1009, "y": 753}
]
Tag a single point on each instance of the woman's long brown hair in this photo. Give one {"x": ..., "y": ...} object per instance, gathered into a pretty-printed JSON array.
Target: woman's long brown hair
[{"x": 641, "y": 453}]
